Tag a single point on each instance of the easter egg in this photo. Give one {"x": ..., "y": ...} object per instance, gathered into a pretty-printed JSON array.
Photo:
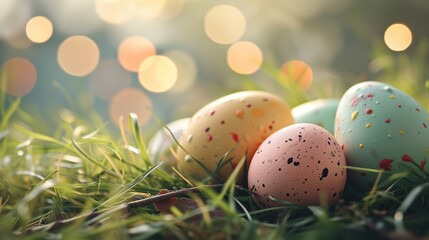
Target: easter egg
[
  {"x": 162, "y": 144},
  {"x": 227, "y": 130},
  {"x": 382, "y": 128},
  {"x": 320, "y": 112},
  {"x": 302, "y": 164}
]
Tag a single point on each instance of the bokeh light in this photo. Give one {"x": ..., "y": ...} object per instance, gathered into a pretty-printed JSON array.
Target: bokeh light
[
  {"x": 78, "y": 55},
  {"x": 244, "y": 57},
  {"x": 147, "y": 9},
  {"x": 172, "y": 8},
  {"x": 130, "y": 100},
  {"x": 186, "y": 70},
  {"x": 157, "y": 73},
  {"x": 298, "y": 72},
  {"x": 114, "y": 11},
  {"x": 398, "y": 37},
  {"x": 224, "y": 24},
  {"x": 133, "y": 50},
  {"x": 39, "y": 29},
  {"x": 20, "y": 77},
  {"x": 109, "y": 78}
]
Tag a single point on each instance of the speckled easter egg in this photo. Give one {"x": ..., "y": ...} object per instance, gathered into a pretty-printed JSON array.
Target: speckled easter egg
[
  {"x": 301, "y": 163},
  {"x": 381, "y": 127},
  {"x": 162, "y": 144},
  {"x": 232, "y": 127},
  {"x": 320, "y": 112}
]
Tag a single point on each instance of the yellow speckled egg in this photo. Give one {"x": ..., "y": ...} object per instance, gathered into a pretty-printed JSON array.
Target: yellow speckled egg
[{"x": 221, "y": 133}]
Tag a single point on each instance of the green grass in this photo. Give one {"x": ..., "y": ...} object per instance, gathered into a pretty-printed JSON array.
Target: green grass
[{"x": 83, "y": 181}]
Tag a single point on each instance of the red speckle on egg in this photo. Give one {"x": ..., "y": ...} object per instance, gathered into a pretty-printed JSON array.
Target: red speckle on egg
[
  {"x": 387, "y": 120},
  {"x": 209, "y": 137},
  {"x": 423, "y": 164},
  {"x": 270, "y": 127},
  {"x": 369, "y": 95},
  {"x": 386, "y": 164},
  {"x": 406, "y": 158},
  {"x": 424, "y": 125},
  {"x": 222, "y": 122},
  {"x": 342, "y": 147},
  {"x": 399, "y": 105},
  {"x": 212, "y": 113},
  {"x": 249, "y": 105},
  {"x": 368, "y": 111},
  {"x": 355, "y": 101},
  {"x": 235, "y": 137}
]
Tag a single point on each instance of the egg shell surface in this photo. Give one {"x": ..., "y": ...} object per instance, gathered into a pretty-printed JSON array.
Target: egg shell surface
[
  {"x": 320, "y": 112},
  {"x": 380, "y": 127},
  {"x": 301, "y": 163},
  {"x": 235, "y": 124},
  {"x": 162, "y": 144}
]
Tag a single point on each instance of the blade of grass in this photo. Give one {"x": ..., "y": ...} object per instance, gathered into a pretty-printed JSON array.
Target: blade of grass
[
  {"x": 406, "y": 204},
  {"x": 91, "y": 159},
  {"x": 9, "y": 112},
  {"x": 134, "y": 126},
  {"x": 40, "y": 137}
]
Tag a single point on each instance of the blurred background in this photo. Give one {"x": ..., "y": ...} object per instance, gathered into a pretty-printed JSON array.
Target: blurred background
[{"x": 165, "y": 59}]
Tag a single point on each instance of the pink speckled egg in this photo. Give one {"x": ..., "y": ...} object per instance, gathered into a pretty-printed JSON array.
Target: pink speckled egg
[
  {"x": 301, "y": 163},
  {"x": 227, "y": 130}
]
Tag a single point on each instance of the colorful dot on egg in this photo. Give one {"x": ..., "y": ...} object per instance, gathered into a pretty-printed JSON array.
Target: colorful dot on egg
[
  {"x": 235, "y": 137},
  {"x": 392, "y": 97},
  {"x": 387, "y": 120},
  {"x": 423, "y": 164},
  {"x": 369, "y": 95},
  {"x": 368, "y": 111},
  {"x": 212, "y": 113},
  {"x": 401, "y": 132},
  {"x": 355, "y": 114},
  {"x": 209, "y": 137},
  {"x": 406, "y": 158},
  {"x": 399, "y": 105},
  {"x": 424, "y": 125},
  {"x": 386, "y": 164},
  {"x": 240, "y": 114},
  {"x": 361, "y": 145},
  {"x": 368, "y": 125}
]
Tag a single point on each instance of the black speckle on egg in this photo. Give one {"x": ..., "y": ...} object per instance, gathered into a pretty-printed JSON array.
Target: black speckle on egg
[
  {"x": 290, "y": 160},
  {"x": 324, "y": 173}
]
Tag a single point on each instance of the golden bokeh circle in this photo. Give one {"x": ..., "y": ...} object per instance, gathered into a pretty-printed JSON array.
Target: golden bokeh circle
[
  {"x": 298, "y": 72},
  {"x": 78, "y": 55},
  {"x": 133, "y": 50},
  {"x": 157, "y": 73},
  {"x": 398, "y": 37},
  {"x": 130, "y": 100},
  {"x": 39, "y": 29},
  {"x": 224, "y": 24},
  {"x": 244, "y": 57}
]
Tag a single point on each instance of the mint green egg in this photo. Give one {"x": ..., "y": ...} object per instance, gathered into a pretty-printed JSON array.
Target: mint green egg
[
  {"x": 380, "y": 127},
  {"x": 320, "y": 112}
]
